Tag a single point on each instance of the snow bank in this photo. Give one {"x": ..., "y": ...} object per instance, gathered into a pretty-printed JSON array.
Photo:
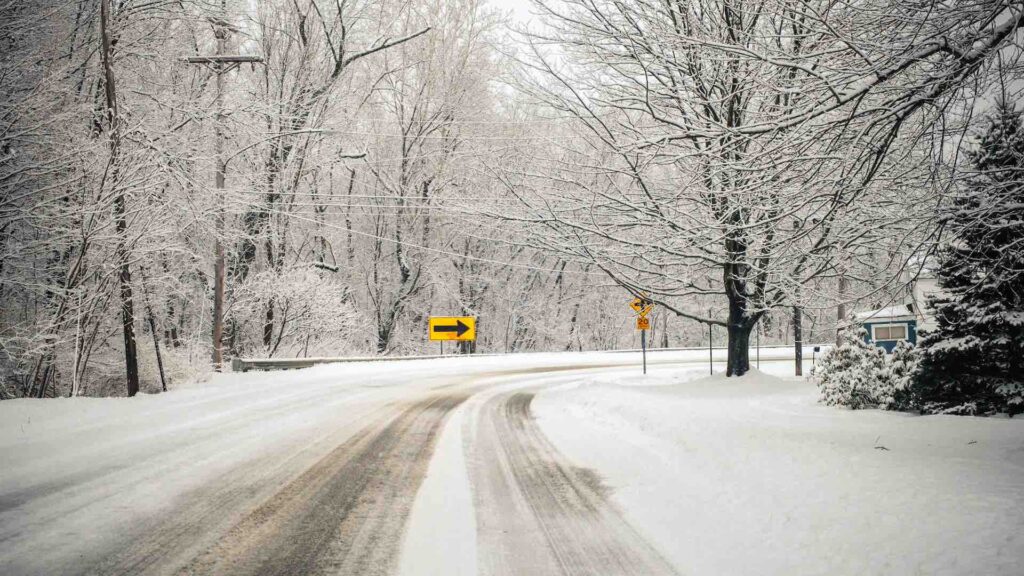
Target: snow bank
[{"x": 753, "y": 476}]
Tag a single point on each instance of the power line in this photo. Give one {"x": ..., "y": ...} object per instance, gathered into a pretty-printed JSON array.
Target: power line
[
  {"x": 461, "y": 121},
  {"x": 435, "y": 250},
  {"x": 337, "y": 196},
  {"x": 459, "y": 137}
]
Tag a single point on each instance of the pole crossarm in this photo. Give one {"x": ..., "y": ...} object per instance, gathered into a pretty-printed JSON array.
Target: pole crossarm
[
  {"x": 222, "y": 64},
  {"x": 225, "y": 59}
]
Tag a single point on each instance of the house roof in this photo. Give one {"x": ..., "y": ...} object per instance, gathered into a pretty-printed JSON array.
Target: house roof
[{"x": 898, "y": 312}]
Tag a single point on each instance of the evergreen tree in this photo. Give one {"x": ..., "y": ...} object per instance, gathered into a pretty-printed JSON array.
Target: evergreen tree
[{"x": 971, "y": 364}]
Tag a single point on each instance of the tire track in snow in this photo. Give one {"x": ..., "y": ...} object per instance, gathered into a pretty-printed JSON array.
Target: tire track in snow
[
  {"x": 200, "y": 517},
  {"x": 540, "y": 515},
  {"x": 344, "y": 515}
]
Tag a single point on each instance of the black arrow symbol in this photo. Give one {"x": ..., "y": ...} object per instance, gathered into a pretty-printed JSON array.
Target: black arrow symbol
[{"x": 459, "y": 328}]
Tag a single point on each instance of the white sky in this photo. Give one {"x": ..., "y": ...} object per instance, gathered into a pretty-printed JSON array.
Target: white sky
[{"x": 520, "y": 8}]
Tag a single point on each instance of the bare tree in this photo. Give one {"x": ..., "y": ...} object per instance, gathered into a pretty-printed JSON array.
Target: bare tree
[
  {"x": 114, "y": 136},
  {"x": 705, "y": 130}
]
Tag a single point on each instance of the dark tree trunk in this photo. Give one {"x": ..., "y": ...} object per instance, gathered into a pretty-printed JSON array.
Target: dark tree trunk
[
  {"x": 153, "y": 332},
  {"x": 131, "y": 359},
  {"x": 383, "y": 338},
  {"x": 171, "y": 332},
  {"x": 268, "y": 325},
  {"x": 156, "y": 348},
  {"x": 739, "y": 326},
  {"x": 738, "y": 362},
  {"x": 739, "y": 323},
  {"x": 41, "y": 378}
]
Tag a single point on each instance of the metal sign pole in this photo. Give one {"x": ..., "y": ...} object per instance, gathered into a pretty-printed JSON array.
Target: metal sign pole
[
  {"x": 711, "y": 353},
  {"x": 643, "y": 347}
]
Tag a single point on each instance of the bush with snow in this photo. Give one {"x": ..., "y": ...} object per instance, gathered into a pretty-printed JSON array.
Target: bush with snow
[
  {"x": 849, "y": 372},
  {"x": 860, "y": 375},
  {"x": 894, "y": 390},
  {"x": 312, "y": 313}
]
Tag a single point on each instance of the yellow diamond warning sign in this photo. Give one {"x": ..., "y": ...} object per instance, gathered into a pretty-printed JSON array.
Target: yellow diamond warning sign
[{"x": 641, "y": 306}]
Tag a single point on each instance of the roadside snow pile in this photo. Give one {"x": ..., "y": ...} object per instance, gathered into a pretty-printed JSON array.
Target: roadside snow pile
[{"x": 753, "y": 476}]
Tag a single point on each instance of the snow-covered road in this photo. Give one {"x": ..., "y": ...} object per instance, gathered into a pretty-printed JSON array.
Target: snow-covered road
[{"x": 528, "y": 464}]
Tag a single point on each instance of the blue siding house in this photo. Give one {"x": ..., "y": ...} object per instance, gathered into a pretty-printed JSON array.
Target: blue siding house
[{"x": 887, "y": 326}]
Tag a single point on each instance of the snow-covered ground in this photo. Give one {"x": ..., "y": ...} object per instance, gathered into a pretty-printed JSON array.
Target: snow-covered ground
[
  {"x": 79, "y": 477},
  {"x": 752, "y": 476},
  {"x": 722, "y": 476}
]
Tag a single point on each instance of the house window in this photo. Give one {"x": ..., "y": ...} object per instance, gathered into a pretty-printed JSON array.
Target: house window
[{"x": 890, "y": 332}]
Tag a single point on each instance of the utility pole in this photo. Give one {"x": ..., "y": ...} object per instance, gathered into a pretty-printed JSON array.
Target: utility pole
[
  {"x": 841, "y": 308},
  {"x": 711, "y": 351},
  {"x": 798, "y": 337},
  {"x": 798, "y": 341},
  {"x": 220, "y": 63},
  {"x": 757, "y": 336}
]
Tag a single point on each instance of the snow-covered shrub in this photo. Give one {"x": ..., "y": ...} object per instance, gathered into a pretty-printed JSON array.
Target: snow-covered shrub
[
  {"x": 849, "y": 374},
  {"x": 860, "y": 375},
  {"x": 312, "y": 313},
  {"x": 894, "y": 390}
]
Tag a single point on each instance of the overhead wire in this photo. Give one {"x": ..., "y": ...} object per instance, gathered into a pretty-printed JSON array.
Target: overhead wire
[{"x": 434, "y": 250}]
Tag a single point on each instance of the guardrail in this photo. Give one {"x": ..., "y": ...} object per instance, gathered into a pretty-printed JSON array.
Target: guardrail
[{"x": 246, "y": 364}]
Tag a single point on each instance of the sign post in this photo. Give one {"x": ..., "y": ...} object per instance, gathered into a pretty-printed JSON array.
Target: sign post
[
  {"x": 711, "y": 352},
  {"x": 758, "y": 337},
  {"x": 643, "y": 348},
  {"x": 642, "y": 306}
]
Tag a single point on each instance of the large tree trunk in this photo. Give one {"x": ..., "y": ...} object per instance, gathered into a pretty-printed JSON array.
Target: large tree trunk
[
  {"x": 740, "y": 322},
  {"x": 739, "y": 329},
  {"x": 131, "y": 357},
  {"x": 121, "y": 226}
]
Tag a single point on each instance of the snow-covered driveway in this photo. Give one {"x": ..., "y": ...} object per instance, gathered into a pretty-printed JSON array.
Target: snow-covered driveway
[{"x": 530, "y": 464}]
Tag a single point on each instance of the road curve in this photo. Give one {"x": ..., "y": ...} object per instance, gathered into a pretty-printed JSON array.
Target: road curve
[
  {"x": 345, "y": 514},
  {"x": 336, "y": 499}
]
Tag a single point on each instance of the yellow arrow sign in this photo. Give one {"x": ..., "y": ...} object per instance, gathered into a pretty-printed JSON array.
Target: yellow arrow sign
[{"x": 452, "y": 328}]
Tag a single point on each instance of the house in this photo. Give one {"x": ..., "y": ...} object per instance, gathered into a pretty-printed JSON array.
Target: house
[{"x": 887, "y": 326}]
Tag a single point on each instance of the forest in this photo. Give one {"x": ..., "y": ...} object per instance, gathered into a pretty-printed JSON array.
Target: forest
[{"x": 183, "y": 182}]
